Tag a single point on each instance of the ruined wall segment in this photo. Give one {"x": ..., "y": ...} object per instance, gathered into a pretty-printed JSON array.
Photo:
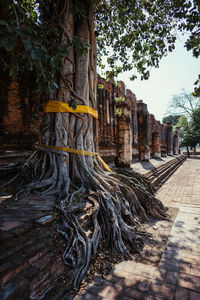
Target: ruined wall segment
[
  {"x": 107, "y": 123},
  {"x": 154, "y": 137},
  {"x": 124, "y": 136},
  {"x": 143, "y": 131},
  {"x": 176, "y": 141},
  {"x": 18, "y": 129},
  {"x": 126, "y": 130},
  {"x": 110, "y": 107},
  {"x": 163, "y": 140},
  {"x": 131, "y": 98},
  {"x": 169, "y": 138}
]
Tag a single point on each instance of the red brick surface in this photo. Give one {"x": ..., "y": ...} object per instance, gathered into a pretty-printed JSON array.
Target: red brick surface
[{"x": 177, "y": 277}]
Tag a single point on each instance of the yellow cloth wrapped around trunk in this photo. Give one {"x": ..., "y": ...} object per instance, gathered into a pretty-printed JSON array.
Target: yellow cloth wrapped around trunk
[
  {"x": 57, "y": 106},
  {"x": 76, "y": 151}
]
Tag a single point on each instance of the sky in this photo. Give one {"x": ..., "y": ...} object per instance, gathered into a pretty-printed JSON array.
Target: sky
[{"x": 179, "y": 69}]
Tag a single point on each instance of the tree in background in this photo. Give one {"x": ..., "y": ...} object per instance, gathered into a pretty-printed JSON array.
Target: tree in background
[
  {"x": 190, "y": 130},
  {"x": 171, "y": 119},
  {"x": 184, "y": 132},
  {"x": 183, "y": 104},
  {"x": 186, "y": 107},
  {"x": 196, "y": 121},
  {"x": 56, "y": 42}
]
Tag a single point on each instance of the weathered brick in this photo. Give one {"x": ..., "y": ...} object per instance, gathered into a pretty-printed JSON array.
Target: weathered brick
[
  {"x": 171, "y": 278},
  {"x": 159, "y": 274},
  {"x": 195, "y": 270},
  {"x": 144, "y": 270},
  {"x": 11, "y": 288},
  {"x": 185, "y": 268},
  {"x": 194, "y": 295},
  {"x": 159, "y": 288},
  {"x": 181, "y": 293},
  {"x": 43, "y": 262},
  {"x": 126, "y": 266},
  {"x": 10, "y": 225},
  {"x": 5, "y": 278}
]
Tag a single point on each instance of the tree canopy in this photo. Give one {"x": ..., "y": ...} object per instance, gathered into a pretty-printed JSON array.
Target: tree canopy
[
  {"x": 133, "y": 34},
  {"x": 171, "y": 119}
]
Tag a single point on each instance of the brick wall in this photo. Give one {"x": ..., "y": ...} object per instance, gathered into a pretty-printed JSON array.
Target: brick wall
[{"x": 18, "y": 130}]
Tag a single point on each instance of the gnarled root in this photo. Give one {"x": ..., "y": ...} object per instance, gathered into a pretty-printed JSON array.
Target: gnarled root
[
  {"x": 114, "y": 215},
  {"x": 109, "y": 206}
]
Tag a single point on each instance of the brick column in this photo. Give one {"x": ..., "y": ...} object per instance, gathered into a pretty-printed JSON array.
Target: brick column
[
  {"x": 169, "y": 140},
  {"x": 176, "y": 141},
  {"x": 131, "y": 98},
  {"x": 163, "y": 140},
  {"x": 156, "y": 152},
  {"x": 13, "y": 119},
  {"x": 143, "y": 131},
  {"x": 124, "y": 137},
  {"x": 178, "y": 129}
]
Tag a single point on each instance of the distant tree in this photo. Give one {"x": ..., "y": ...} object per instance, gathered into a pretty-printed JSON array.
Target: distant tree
[
  {"x": 171, "y": 119},
  {"x": 190, "y": 139},
  {"x": 190, "y": 130},
  {"x": 183, "y": 104},
  {"x": 184, "y": 124},
  {"x": 196, "y": 121}
]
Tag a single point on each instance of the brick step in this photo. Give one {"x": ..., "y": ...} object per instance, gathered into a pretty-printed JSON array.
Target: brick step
[
  {"x": 31, "y": 254},
  {"x": 22, "y": 248},
  {"x": 163, "y": 166},
  {"x": 169, "y": 173},
  {"x": 160, "y": 174},
  {"x": 156, "y": 171},
  {"x": 31, "y": 267}
]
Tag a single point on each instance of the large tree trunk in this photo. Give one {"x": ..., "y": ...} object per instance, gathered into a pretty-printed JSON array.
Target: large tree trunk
[{"x": 119, "y": 201}]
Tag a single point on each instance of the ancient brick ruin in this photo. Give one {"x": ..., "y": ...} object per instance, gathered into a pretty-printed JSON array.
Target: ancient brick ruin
[
  {"x": 127, "y": 130},
  {"x": 18, "y": 128},
  {"x": 125, "y": 127}
]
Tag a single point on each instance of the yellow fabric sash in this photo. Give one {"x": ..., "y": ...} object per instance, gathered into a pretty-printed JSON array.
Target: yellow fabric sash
[
  {"x": 57, "y": 106},
  {"x": 76, "y": 151}
]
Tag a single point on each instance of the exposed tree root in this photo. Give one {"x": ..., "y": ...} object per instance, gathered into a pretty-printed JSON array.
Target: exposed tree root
[
  {"x": 116, "y": 216},
  {"x": 118, "y": 203}
]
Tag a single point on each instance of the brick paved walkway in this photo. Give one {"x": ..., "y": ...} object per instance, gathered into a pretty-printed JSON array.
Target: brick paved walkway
[{"x": 178, "y": 273}]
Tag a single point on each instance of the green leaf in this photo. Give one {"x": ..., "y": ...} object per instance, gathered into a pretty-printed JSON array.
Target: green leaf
[
  {"x": 36, "y": 54},
  {"x": 28, "y": 45},
  {"x": 72, "y": 103},
  {"x": 8, "y": 43},
  {"x": 4, "y": 42},
  {"x": 2, "y": 22}
]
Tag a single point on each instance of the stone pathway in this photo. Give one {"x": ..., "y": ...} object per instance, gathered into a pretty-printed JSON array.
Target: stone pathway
[{"x": 178, "y": 274}]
